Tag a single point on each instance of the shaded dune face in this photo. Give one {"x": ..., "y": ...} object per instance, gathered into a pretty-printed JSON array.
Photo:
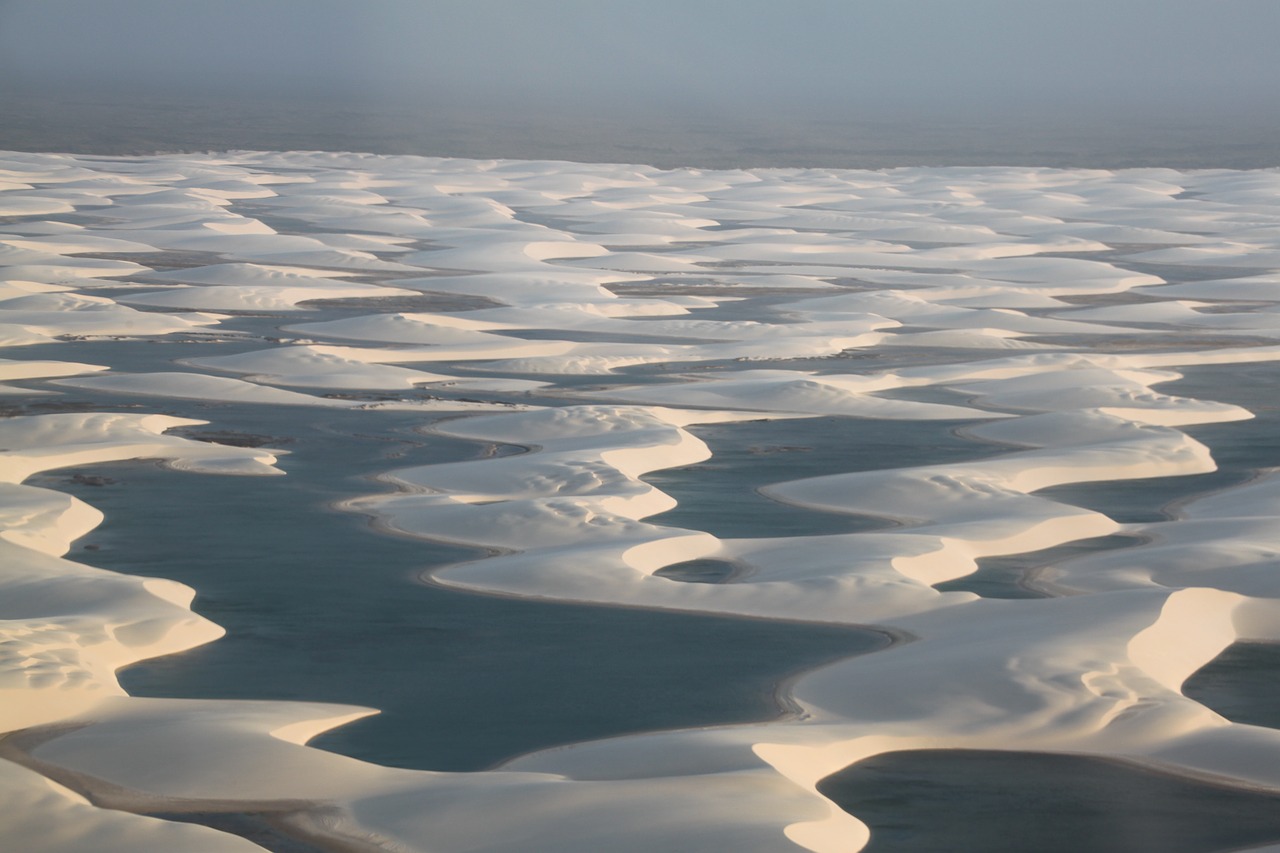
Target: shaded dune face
[{"x": 964, "y": 477}]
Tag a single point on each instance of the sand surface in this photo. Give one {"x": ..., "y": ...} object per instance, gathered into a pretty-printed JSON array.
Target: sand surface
[{"x": 617, "y": 317}]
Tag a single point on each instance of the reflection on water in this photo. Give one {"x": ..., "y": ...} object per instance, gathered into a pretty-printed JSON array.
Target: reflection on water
[{"x": 970, "y": 801}]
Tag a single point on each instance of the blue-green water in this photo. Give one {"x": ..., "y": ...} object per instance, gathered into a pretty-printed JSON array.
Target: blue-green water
[
  {"x": 1014, "y": 576},
  {"x": 721, "y": 495},
  {"x": 970, "y": 801},
  {"x": 1240, "y": 684},
  {"x": 318, "y": 606}
]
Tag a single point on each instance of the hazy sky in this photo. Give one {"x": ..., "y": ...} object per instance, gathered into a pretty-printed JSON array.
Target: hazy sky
[{"x": 1169, "y": 56}]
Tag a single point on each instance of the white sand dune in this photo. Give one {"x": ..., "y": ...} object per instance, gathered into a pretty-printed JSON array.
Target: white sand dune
[
  {"x": 18, "y": 370},
  {"x": 318, "y": 366},
  {"x": 904, "y": 295},
  {"x": 799, "y": 392},
  {"x": 43, "y": 317},
  {"x": 196, "y": 386},
  {"x": 253, "y": 287},
  {"x": 46, "y": 817}
]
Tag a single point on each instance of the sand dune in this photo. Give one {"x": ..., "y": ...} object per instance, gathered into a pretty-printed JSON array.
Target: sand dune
[{"x": 607, "y": 315}]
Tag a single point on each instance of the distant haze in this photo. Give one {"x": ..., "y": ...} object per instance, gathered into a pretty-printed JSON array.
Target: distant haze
[{"x": 1183, "y": 65}]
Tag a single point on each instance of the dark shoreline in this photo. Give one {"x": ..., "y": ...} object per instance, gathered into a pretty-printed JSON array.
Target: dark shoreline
[{"x": 113, "y": 123}]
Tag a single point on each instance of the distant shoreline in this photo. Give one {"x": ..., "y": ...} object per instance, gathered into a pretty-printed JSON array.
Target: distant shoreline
[{"x": 115, "y": 123}]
